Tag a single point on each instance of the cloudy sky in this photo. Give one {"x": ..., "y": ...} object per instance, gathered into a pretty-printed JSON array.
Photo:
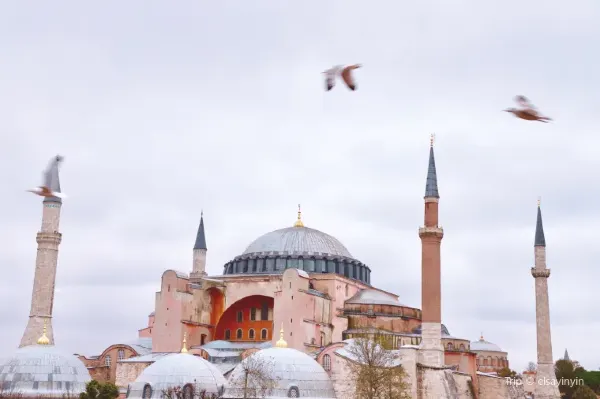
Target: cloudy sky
[{"x": 163, "y": 109}]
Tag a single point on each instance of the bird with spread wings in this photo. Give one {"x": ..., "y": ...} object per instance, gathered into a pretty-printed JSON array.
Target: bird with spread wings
[
  {"x": 344, "y": 72},
  {"x": 527, "y": 110}
]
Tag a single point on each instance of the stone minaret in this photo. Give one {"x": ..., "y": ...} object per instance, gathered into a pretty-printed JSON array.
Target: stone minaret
[
  {"x": 199, "y": 268},
  {"x": 42, "y": 298},
  {"x": 432, "y": 352},
  {"x": 547, "y": 387}
]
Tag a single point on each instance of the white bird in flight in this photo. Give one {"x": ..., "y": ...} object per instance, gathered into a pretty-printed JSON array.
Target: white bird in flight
[
  {"x": 50, "y": 185},
  {"x": 344, "y": 72}
]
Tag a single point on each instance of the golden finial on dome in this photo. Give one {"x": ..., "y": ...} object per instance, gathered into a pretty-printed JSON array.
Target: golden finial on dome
[
  {"x": 481, "y": 337},
  {"x": 431, "y": 139},
  {"x": 183, "y": 345},
  {"x": 44, "y": 340},
  {"x": 299, "y": 221},
  {"x": 281, "y": 343}
]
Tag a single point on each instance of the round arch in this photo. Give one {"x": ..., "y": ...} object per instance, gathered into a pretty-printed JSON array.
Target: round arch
[{"x": 251, "y": 312}]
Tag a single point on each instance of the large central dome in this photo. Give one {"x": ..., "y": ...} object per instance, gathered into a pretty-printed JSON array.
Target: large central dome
[
  {"x": 298, "y": 240},
  {"x": 301, "y": 248}
]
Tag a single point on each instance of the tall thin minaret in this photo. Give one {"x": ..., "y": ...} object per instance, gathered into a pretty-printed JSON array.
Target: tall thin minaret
[
  {"x": 547, "y": 387},
  {"x": 432, "y": 353},
  {"x": 42, "y": 297},
  {"x": 199, "y": 267}
]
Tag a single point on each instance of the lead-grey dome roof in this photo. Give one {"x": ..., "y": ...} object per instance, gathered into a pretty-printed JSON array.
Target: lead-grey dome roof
[
  {"x": 43, "y": 371},
  {"x": 483, "y": 345},
  {"x": 177, "y": 370},
  {"x": 294, "y": 373},
  {"x": 373, "y": 297},
  {"x": 298, "y": 240}
]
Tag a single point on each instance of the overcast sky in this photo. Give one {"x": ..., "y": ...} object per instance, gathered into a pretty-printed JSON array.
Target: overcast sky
[{"x": 163, "y": 109}]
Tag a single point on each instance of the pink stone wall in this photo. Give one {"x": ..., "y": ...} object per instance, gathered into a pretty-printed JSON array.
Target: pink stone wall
[{"x": 171, "y": 302}]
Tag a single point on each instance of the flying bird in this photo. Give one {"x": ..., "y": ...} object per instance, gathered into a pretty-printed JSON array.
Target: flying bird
[
  {"x": 50, "y": 185},
  {"x": 344, "y": 72},
  {"x": 527, "y": 111}
]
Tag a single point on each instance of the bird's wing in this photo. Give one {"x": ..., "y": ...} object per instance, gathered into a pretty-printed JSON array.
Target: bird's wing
[
  {"x": 329, "y": 82},
  {"x": 524, "y": 102},
  {"x": 347, "y": 76},
  {"x": 51, "y": 172}
]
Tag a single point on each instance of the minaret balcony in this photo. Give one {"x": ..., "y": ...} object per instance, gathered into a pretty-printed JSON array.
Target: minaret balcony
[
  {"x": 536, "y": 272},
  {"x": 431, "y": 231},
  {"x": 49, "y": 238}
]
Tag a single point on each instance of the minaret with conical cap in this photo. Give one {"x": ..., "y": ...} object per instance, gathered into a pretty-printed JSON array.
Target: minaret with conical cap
[
  {"x": 431, "y": 234},
  {"x": 547, "y": 387},
  {"x": 199, "y": 268},
  {"x": 42, "y": 298}
]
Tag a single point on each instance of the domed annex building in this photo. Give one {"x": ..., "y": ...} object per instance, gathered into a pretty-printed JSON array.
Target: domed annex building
[
  {"x": 310, "y": 284},
  {"x": 490, "y": 357},
  {"x": 42, "y": 371}
]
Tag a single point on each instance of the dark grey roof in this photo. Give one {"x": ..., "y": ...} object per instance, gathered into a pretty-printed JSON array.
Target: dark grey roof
[
  {"x": 540, "y": 240},
  {"x": 51, "y": 179},
  {"x": 200, "y": 237},
  {"x": 431, "y": 187}
]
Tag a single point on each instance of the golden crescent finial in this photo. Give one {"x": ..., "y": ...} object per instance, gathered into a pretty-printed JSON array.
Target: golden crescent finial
[
  {"x": 184, "y": 344},
  {"x": 44, "y": 340},
  {"x": 299, "y": 220},
  {"x": 431, "y": 139},
  {"x": 281, "y": 343},
  {"x": 539, "y": 202}
]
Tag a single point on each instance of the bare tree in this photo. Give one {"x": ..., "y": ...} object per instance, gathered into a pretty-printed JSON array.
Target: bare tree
[
  {"x": 10, "y": 393},
  {"x": 531, "y": 366},
  {"x": 255, "y": 378},
  {"x": 376, "y": 371}
]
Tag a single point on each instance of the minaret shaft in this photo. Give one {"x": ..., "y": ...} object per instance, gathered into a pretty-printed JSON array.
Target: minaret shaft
[
  {"x": 547, "y": 386},
  {"x": 42, "y": 297}
]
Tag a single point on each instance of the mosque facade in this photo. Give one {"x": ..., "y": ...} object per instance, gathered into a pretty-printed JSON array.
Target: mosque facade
[
  {"x": 309, "y": 284},
  {"x": 297, "y": 280}
]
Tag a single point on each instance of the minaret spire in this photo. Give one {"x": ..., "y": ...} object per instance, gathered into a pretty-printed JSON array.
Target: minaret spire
[
  {"x": 547, "y": 387},
  {"x": 431, "y": 234},
  {"x": 199, "y": 263},
  {"x": 431, "y": 186},
  {"x": 540, "y": 239},
  {"x": 42, "y": 297}
]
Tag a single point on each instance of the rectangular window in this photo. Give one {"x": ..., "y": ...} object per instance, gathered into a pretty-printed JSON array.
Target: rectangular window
[
  {"x": 264, "y": 313},
  {"x": 240, "y": 316},
  {"x": 253, "y": 314}
]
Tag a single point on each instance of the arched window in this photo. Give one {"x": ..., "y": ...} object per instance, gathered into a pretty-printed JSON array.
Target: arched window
[
  {"x": 251, "y": 333},
  {"x": 240, "y": 316},
  {"x": 263, "y": 333},
  {"x": 494, "y": 362},
  {"x": 227, "y": 334},
  {"x": 327, "y": 362},
  {"x": 450, "y": 346},
  {"x": 121, "y": 354},
  {"x": 147, "y": 393},
  {"x": 239, "y": 333},
  {"x": 485, "y": 362},
  {"x": 462, "y": 347},
  {"x": 188, "y": 392},
  {"x": 293, "y": 392},
  {"x": 107, "y": 360}
]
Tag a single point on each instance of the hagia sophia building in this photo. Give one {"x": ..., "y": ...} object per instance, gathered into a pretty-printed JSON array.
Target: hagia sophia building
[{"x": 295, "y": 294}]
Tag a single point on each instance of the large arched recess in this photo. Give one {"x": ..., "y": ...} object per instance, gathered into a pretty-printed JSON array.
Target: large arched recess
[{"x": 263, "y": 306}]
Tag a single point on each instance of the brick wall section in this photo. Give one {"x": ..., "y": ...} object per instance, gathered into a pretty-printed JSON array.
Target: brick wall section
[
  {"x": 42, "y": 297},
  {"x": 129, "y": 372}
]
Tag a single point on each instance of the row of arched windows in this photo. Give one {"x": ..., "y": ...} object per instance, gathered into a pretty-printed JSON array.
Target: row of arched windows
[
  {"x": 492, "y": 361},
  {"x": 120, "y": 356},
  {"x": 239, "y": 334},
  {"x": 451, "y": 347},
  {"x": 347, "y": 267}
]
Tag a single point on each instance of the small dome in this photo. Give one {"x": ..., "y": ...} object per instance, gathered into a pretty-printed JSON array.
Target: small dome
[
  {"x": 176, "y": 371},
  {"x": 43, "y": 371},
  {"x": 373, "y": 297},
  {"x": 295, "y": 375},
  {"x": 483, "y": 345},
  {"x": 298, "y": 240}
]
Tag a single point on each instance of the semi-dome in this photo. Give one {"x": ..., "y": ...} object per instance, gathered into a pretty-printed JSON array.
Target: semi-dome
[
  {"x": 373, "y": 297},
  {"x": 179, "y": 370},
  {"x": 43, "y": 370},
  {"x": 483, "y": 345},
  {"x": 293, "y": 374},
  {"x": 298, "y": 247}
]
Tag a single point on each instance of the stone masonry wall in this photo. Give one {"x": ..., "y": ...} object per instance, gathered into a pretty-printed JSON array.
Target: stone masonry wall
[{"x": 128, "y": 372}]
